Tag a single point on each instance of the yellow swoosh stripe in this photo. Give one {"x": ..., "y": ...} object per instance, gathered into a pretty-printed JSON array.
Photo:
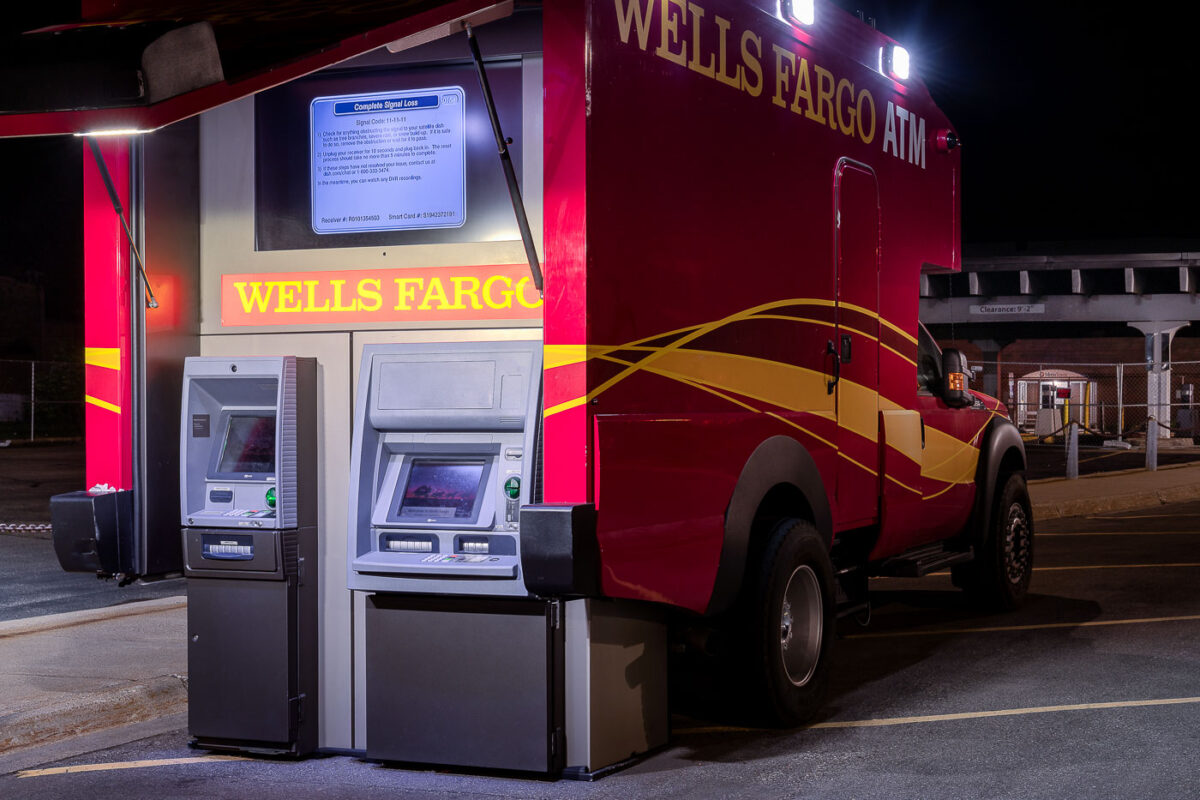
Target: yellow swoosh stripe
[
  {"x": 944, "y": 459},
  {"x": 107, "y": 357},
  {"x": 87, "y": 398}
]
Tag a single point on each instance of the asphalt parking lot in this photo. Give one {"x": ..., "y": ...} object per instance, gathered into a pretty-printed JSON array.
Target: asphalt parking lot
[{"x": 1092, "y": 690}]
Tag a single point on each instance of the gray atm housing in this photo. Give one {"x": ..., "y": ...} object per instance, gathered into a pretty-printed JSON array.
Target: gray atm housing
[
  {"x": 473, "y": 656},
  {"x": 249, "y": 428},
  {"x": 432, "y": 419}
]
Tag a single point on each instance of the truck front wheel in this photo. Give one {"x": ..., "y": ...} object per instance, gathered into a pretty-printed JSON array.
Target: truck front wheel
[
  {"x": 998, "y": 578},
  {"x": 793, "y": 625}
]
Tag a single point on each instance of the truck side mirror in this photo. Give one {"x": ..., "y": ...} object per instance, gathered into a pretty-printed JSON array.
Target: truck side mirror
[{"x": 957, "y": 379}]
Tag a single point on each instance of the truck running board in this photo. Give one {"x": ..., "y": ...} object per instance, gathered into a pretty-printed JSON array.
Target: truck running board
[{"x": 921, "y": 561}]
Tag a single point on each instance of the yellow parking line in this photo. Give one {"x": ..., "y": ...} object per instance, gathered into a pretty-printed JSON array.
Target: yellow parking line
[
  {"x": 1103, "y": 566},
  {"x": 1003, "y": 712},
  {"x": 1120, "y": 517},
  {"x": 1126, "y": 533},
  {"x": 158, "y": 762},
  {"x": 1115, "y": 566},
  {"x": 1043, "y": 626}
]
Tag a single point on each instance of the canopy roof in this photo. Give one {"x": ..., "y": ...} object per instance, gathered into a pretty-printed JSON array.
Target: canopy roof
[{"x": 140, "y": 64}]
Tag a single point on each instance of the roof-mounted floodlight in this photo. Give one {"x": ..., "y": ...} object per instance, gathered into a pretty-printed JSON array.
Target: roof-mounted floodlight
[
  {"x": 801, "y": 12},
  {"x": 894, "y": 62},
  {"x": 118, "y": 132}
]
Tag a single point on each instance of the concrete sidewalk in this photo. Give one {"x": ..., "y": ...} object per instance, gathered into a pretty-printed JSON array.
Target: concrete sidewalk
[
  {"x": 1108, "y": 492},
  {"x": 63, "y": 675}
]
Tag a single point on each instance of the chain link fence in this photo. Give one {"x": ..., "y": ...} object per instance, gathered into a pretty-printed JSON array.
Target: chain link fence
[
  {"x": 41, "y": 400},
  {"x": 1108, "y": 400}
]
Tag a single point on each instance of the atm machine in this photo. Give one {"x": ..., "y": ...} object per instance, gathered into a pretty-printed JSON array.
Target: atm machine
[
  {"x": 248, "y": 495},
  {"x": 480, "y": 650}
]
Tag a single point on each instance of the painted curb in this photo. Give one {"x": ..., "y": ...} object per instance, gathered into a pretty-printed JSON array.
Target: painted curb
[
  {"x": 1133, "y": 501},
  {"x": 94, "y": 711},
  {"x": 51, "y": 622}
]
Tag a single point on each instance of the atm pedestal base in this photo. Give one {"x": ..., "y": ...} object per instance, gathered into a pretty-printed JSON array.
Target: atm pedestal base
[
  {"x": 526, "y": 685},
  {"x": 465, "y": 682},
  {"x": 252, "y": 647}
]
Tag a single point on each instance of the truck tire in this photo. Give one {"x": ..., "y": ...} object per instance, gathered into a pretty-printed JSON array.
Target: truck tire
[
  {"x": 998, "y": 578},
  {"x": 792, "y": 624}
]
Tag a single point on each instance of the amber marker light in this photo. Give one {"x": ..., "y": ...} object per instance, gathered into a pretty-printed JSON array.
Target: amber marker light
[{"x": 957, "y": 382}]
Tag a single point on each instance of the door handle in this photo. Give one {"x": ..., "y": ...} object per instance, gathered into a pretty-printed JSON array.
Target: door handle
[{"x": 830, "y": 350}]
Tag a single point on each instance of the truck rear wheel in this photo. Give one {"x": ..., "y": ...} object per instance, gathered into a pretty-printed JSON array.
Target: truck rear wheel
[
  {"x": 793, "y": 623},
  {"x": 998, "y": 578}
]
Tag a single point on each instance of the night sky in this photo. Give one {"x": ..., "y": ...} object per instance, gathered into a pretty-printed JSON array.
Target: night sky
[
  {"x": 1074, "y": 116},
  {"x": 1075, "y": 122}
]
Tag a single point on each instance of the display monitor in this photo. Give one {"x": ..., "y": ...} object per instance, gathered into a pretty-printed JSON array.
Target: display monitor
[
  {"x": 248, "y": 447},
  {"x": 442, "y": 489},
  {"x": 386, "y": 156}
]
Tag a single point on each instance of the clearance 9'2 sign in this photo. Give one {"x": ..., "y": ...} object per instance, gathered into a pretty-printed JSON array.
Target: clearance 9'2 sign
[{"x": 380, "y": 295}]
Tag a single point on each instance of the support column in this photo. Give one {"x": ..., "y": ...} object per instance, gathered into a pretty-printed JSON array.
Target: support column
[{"x": 1158, "y": 371}]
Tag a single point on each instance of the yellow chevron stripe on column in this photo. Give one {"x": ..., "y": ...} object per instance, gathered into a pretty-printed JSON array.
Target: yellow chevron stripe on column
[{"x": 106, "y": 357}]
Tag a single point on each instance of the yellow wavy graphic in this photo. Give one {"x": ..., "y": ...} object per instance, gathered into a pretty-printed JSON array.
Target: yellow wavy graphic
[{"x": 944, "y": 458}]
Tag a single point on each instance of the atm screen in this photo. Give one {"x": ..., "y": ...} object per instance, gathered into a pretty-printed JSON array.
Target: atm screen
[
  {"x": 249, "y": 444},
  {"x": 441, "y": 489}
]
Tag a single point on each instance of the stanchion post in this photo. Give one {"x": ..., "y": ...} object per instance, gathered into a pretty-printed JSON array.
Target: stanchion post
[
  {"x": 32, "y": 395},
  {"x": 1072, "y": 450},
  {"x": 1120, "y": 401},
  {"x": 1151, "y": 444}
]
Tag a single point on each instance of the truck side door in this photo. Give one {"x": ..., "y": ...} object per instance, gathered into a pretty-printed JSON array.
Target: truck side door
[{"x": 856, "y": 342}]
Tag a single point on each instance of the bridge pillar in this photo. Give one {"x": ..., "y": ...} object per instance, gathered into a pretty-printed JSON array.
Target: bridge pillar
[{"x": 1158, "y": 371}]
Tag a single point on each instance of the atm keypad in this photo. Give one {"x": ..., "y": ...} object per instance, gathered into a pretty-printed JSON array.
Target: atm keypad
[{"x": 254, "y": 513}]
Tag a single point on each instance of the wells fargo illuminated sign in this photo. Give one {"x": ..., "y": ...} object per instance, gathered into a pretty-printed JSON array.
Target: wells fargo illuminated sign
[{"x": 380, "y": 295}]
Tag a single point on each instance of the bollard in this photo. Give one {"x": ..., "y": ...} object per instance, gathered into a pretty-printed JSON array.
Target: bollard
[
  {"x": 1073, "y": 450},
  {"x": 1151, "y": 444}
]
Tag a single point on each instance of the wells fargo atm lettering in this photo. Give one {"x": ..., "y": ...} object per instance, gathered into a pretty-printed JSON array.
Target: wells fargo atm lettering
[
  {"x": 443, "y": 293},
  {"x": 684, "y": 33}
]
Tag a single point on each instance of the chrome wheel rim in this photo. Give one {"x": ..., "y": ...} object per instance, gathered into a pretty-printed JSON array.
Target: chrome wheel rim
[
  {"x": 801, "y": 625},
  {"x": 1018, "y": 544}
]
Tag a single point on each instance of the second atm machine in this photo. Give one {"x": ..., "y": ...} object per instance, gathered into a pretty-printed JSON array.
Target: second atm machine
[{"x": 464, "y": 665}]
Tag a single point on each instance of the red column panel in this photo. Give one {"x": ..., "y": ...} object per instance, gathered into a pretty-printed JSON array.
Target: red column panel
[
  {"x": 567, "y": 429},
  {"x": 107, "y": 332}
]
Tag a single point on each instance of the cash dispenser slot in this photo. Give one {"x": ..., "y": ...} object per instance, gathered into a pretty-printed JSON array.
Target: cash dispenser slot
[
  {"x": 218, "y": 552},
  {"x": 221, "y": 548}
]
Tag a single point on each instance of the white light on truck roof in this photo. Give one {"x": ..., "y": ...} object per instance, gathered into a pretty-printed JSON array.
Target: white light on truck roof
[
  {"x": 895, "y": 62},
  {"x": 802, "y": 12}
]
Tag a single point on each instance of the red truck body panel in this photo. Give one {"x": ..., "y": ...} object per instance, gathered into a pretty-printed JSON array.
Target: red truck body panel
[{"x": 728, "y": 195}]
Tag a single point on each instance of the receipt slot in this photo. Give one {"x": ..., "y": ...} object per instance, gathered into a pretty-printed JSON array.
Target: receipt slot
[{"x": 248, "y": 493}]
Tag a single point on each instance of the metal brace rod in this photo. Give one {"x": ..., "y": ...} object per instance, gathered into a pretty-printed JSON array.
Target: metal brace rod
[
  {"x": 510, "y": 175},
  {"x": 116, "y": 204}
]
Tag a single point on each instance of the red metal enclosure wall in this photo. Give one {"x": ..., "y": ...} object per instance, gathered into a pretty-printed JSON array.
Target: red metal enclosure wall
[{"x": 107, "y": 331}]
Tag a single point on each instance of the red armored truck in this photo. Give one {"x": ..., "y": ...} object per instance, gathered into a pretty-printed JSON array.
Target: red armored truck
[
  {"x": 740, "y": 200},
  {"x": 733, "y": 415}
]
